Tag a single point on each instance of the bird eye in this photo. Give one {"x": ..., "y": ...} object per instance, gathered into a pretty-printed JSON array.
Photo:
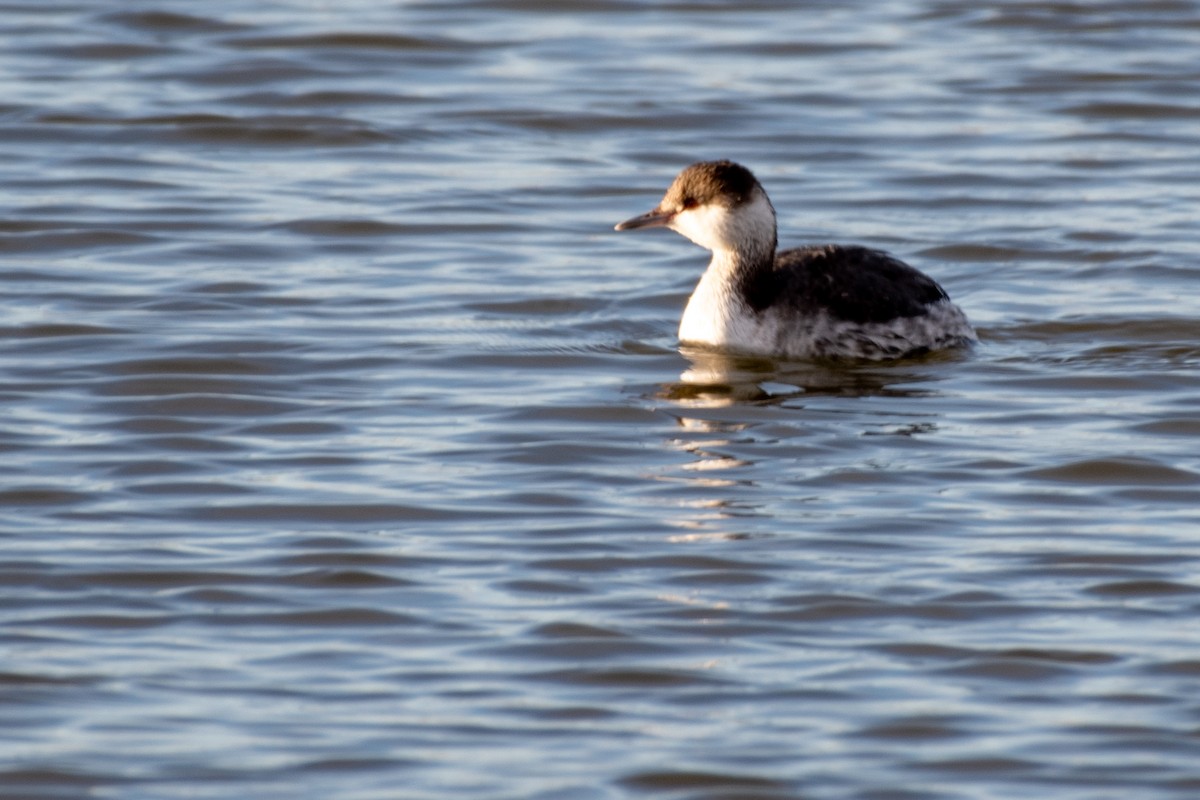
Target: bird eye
[{"x": 689, "y": 202}]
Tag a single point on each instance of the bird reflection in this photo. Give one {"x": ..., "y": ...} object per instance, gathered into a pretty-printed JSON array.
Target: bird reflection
[
  {"x": 720, "y": 379},
  {"x": 721, "y": 401}
]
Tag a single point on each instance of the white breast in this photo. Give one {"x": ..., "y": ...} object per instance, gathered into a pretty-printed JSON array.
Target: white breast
[{"x": 716, "y": 316}]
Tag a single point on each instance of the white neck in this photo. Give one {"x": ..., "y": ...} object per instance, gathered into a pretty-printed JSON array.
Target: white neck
[
  {"x": 741, "y": 239},
  {"x": 714, "y": 306}
]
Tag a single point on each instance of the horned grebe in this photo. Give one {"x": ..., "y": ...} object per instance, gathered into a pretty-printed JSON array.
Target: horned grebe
[{"x": 826, "y": 301}]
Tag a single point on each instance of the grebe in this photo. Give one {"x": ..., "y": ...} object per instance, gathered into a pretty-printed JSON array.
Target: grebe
[{"x": 826, "y": 301}]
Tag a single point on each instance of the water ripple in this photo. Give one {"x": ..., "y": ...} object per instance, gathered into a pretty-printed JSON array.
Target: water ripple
[{"x": 347, "y": 448}]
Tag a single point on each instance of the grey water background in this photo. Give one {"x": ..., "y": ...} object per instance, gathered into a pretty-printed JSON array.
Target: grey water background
[{"x": 348, "y": 453}]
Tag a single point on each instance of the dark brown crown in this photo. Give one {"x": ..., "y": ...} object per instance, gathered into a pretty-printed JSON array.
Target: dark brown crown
[{"x": 707, "y": 182}]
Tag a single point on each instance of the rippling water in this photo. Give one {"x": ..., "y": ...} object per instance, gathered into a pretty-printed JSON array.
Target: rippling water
[{"x": 348, "y": 453}]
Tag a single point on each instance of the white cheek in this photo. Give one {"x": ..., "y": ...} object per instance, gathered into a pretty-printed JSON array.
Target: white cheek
[
  {"x": 718, "y": 228},
  {"x": 705, "y": 225}
]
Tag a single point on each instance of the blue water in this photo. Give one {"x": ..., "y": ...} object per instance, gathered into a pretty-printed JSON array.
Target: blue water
[{"x": 348, "y": 452}]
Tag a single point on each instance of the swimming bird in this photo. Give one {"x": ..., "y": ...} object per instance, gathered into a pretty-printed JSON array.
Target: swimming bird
[{"x": 823, "y": 301}]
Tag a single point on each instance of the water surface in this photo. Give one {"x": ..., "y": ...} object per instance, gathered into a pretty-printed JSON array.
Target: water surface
[{"x": 349, "y": 453}]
